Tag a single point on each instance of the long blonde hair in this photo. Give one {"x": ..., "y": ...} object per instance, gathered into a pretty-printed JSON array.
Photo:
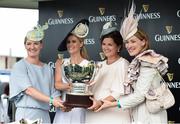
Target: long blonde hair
[{"x": 83, "y": 50}]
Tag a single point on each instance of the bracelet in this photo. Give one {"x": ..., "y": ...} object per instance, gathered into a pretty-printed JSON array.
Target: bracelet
[
  {"x": 118, "y": 104},
  {"x": 52, "y": 108},
  {"x": 51, "y": 101}
]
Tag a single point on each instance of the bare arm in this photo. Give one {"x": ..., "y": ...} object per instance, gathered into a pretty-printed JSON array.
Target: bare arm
[
  {"x": 36, "y": 94},
  {"x": 58, "y": 77},
  {"x": 98, "y": 103},
  {"x": 110, "y": 98}
]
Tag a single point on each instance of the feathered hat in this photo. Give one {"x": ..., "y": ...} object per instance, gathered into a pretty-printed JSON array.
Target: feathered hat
[
  {"x": 81, "y": 30},
  {"x": 129, "y": 25},
  {"x": 37, "y": 34}
]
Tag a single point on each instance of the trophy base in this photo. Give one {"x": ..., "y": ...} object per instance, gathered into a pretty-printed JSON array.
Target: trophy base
[{"x": 78, "y": 100}]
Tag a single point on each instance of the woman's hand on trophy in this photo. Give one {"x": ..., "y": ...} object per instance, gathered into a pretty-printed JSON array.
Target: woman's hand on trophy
[
  {"x": 96, "y": 104},
  {"x": 90, "y": 83},
  {"x": 66, "y": 109},
  {"x": 57, "y": 102},
  {"x": 106, "y": 104}
]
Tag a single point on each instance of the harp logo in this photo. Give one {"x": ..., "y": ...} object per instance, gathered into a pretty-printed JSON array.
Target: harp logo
[
  {"x": 101, "y": 10},
  {"x": 168, "y": 29},
  {"x": 145, "y": 7},
  {"x": 60, "y": 13},
  {"x": 170, "y": 76}
]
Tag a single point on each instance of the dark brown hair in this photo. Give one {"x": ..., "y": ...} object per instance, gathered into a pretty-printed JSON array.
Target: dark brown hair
[{"x": 117, "y": 38}]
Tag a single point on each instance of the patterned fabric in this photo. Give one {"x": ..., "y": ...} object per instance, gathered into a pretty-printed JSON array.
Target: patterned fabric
[{"x": 134, "y": 67}]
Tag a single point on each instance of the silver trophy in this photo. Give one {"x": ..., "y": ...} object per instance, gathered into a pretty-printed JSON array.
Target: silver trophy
[{"x": 80, "y": 77}]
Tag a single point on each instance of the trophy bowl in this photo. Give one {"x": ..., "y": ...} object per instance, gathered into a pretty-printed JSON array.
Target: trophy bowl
[{"x": 79, "y": 76}]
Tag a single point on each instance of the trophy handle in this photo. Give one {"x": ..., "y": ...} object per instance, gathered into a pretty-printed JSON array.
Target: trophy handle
[
  {"x": 102, "y": 55},
  {"x": 95, "y": 71},
  {"x": 60, "y": 55},
  {"x": 63, "y": 74}
]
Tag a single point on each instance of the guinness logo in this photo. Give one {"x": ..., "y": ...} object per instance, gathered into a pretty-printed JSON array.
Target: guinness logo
[
  {"x": 170, "y": 76},
  {"x": 145, "y": 7},
  {"x": 60, "y": 13},
  {"x": 169, "y": 29},
  {"x": 101, "y": 10}
]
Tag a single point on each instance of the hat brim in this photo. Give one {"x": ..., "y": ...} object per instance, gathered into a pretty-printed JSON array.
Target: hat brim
[{"x": 63, "y": 45}]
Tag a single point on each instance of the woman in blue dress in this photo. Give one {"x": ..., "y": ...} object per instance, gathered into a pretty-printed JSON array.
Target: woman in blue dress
[
  {"x": 73, "y": 43},
  {"x": 32, "y": 83}
]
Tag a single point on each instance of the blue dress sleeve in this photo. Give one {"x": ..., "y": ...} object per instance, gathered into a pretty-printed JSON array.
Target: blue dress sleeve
[{"x": 19, "y": 81}]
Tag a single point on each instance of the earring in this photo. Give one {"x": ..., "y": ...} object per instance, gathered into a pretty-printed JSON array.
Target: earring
[{"x": 102, "y": 55}]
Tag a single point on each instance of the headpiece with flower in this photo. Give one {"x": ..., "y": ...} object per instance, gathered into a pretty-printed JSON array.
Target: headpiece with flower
[
  {"x": 37, "y": 34},
  {"x": 81, "y": 30}
]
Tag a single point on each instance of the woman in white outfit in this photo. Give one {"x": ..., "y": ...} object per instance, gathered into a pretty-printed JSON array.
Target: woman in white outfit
[
  {"x": 108, "y": 84},
  {"x": 142, "y": 73},
  {"x": 74, "y": 44}
]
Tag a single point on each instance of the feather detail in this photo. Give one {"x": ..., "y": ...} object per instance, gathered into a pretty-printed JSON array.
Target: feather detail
[
  {"x": 129, "y": 24},
  {"x": 45, "y": 26}
]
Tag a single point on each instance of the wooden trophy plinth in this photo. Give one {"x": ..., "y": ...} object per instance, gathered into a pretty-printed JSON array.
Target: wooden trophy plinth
[{"x": 78, "y": 100}]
